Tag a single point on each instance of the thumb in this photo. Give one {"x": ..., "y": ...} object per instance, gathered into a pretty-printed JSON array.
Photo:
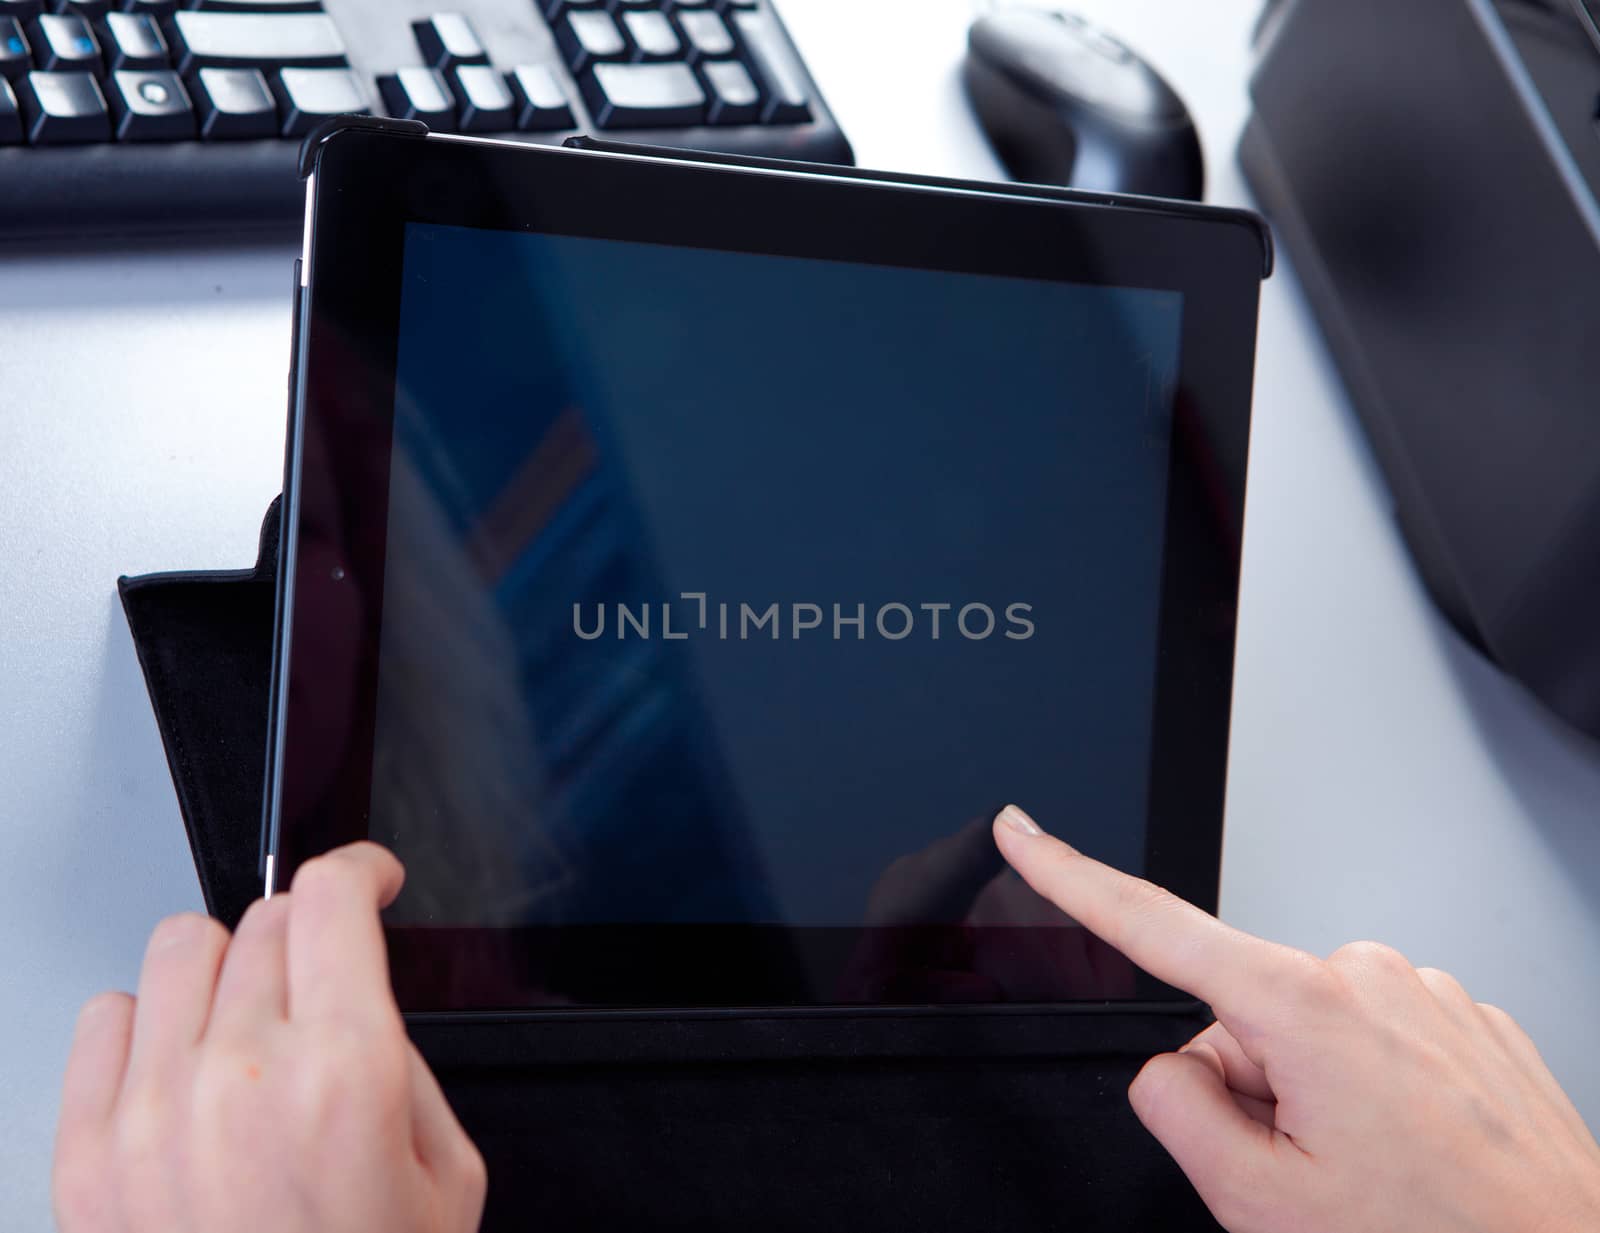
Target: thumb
[{"x": 1222, "y": 1150}]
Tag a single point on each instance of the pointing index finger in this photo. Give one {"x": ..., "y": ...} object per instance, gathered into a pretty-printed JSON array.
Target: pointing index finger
[
  {"x": 338, "y": 961},
  {"x": 1173, "y": 940}
]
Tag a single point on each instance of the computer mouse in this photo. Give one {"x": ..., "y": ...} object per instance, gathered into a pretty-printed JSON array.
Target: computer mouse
[{"x": 1064, "y": 102}]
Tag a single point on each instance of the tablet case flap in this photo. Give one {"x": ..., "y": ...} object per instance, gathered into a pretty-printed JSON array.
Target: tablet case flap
[
  {"x": 847, "y": 1139},
  {"x": 204, "y": 642},
  {"x": 918, "y": 1147}
]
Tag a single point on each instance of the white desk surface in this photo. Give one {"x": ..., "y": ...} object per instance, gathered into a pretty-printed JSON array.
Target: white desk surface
[{"x": 1384, "y": 783}]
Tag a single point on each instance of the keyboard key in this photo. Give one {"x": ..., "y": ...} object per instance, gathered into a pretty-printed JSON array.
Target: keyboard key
[
  {"x": 553, "y": 9},
  {"x": 89, "y": 10},
  {"x": 10, "y": 115},
  {"x": 418, "y": 93},
  {"x": 150, "y": 106},
  {"x": 541, "y": 102},
  {"x": 644, "y": 95},
  {"x": 22, "y": 10},
  {"x": 707, "y": 33},
  {"x": 307, "y": 96},
  {"x": 155, "y": 8},
  {"x": 447, "y": 40},
  {"x": 774, "y": 63},
  {"x": 486, "y": 102},
  {"x": 255, "y": 6},
  {"x": 652, "y": 34},
  {"x": 65, "y": 43},
  {"x": 133, "y": 41},
  {"x": 735, "y": 99},
  {"x": 255, "y": 40},
  {"x": 586, "y": 37},
  {"x": 16, "y": 57},
  {"x": 62, "y": 108},
  {"x": 234, "y": 103}
]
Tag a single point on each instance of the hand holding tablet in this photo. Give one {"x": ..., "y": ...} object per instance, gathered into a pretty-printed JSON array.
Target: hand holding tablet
[{"x": 264, "y": 1081}]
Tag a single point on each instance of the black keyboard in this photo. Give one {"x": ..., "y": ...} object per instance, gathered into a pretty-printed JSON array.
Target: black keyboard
[{"x": 120, "y": 117}]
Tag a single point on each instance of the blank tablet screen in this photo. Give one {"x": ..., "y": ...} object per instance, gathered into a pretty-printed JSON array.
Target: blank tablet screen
[{"x": 718, "y": 583}]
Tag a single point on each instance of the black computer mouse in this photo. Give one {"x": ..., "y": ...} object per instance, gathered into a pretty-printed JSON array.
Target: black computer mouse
[{"x": 1063, "y": 102}]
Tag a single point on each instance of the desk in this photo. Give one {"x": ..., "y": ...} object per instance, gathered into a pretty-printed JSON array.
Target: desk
[{"x": 1384, "y": 781}]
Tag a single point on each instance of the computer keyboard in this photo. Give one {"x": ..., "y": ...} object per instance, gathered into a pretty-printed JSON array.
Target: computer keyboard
[{"x": 120, "y": 117}]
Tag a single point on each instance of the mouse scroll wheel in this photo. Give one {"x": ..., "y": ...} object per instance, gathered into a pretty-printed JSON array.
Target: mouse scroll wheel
[
  {"x": 1096, "y": 39},
  {"x": 1103, "y": 44}
]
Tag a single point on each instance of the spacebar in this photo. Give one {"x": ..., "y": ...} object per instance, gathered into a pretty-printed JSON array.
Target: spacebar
[{"x": 255, "y": 40}]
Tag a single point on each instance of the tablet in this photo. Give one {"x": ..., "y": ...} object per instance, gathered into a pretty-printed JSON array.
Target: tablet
[{"x": 683, "y": 560}]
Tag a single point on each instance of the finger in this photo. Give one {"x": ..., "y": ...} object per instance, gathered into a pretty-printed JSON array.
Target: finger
[
  {"x": 1524, "y": 1054},
  {"x": 1184, "y": 1103},
  {"x": 338, "y": 966},
  {"x": 1172, "y": 940},
  {"x": 1510, "y": 1034},
  {"x": 435, "y": 1132},
  {"x": 442, "y": 1145},
  {"x": 254, "y": 986},
  {"x": 176, "y": 986},
  {"x": 1238, "y": 1071},
  {"x": 1451, "y": 997},
  {"x": 1263, "y": 1111},
  {"x": 95, "y": 1066}
]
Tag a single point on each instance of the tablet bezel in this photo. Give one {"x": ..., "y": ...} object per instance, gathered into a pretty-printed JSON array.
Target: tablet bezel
[{"x": 369, "y": 185}]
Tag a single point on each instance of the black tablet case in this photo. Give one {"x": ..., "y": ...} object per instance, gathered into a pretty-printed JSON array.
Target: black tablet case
[{"x": 853, "y": 1137}]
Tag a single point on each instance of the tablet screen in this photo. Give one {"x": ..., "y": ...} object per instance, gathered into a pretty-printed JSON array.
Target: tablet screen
[{"x": 726, "y": 588}]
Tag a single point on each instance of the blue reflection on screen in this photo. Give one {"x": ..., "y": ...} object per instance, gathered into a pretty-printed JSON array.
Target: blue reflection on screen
[{"x": 690, "y": 556}]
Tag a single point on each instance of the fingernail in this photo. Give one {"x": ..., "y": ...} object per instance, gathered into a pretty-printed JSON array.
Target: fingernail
[{"x": 1018, "y": 821}]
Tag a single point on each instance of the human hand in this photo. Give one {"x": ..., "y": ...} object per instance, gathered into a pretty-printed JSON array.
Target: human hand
[
  {"x": 264, "y": 1082},
  {"x": 1356, "y": 1094}
]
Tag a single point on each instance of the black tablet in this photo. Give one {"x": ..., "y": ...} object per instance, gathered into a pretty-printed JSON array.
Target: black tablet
[{"x": 683, "y": 560}]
